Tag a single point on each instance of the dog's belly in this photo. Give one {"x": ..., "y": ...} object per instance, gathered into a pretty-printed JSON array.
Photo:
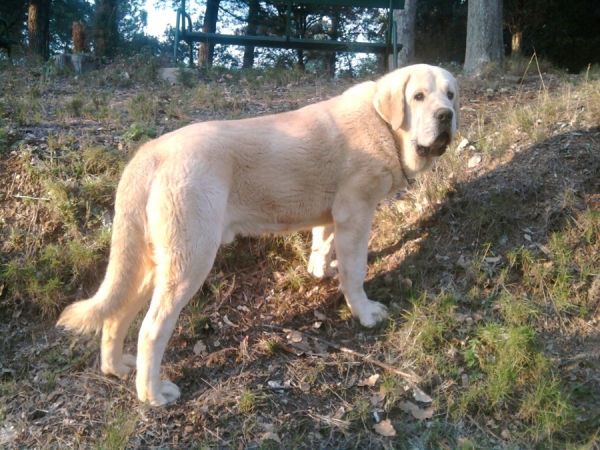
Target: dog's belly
[{"x": 257, "y": 222}]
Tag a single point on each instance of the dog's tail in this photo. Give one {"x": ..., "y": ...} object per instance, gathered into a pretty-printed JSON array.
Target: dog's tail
[{"x": 129, "y": 259}]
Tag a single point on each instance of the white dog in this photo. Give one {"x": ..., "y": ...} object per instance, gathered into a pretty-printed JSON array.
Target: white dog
[{"x": 325, "y": 167}]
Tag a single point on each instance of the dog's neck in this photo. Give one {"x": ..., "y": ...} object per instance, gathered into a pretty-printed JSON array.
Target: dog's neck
[{"x": 399, "y": 148}]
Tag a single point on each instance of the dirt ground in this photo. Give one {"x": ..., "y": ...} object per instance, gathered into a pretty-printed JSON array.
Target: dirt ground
[{"x": 248, "y": 378}]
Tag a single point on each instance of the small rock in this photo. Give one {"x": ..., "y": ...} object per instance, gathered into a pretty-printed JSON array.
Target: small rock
[
  {"x": 464, "y": 378},
  {"x": 474, "y": 160}
]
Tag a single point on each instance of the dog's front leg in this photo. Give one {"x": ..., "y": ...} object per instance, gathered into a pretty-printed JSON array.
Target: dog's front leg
[
  {"x": 321, "y": 255},
  {"x": 352, "y": 230}
]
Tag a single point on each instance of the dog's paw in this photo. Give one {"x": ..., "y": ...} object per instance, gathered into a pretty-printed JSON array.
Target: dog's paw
[
  {"x": 319, "y": 268},
  {"x": 370, "y": 313},
  {"x": 169, "y": 392},
  {"x": 121, "y": 370}
]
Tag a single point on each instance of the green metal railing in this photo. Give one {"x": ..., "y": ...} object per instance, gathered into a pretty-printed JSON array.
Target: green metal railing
[{"x": 390, "y": 46}]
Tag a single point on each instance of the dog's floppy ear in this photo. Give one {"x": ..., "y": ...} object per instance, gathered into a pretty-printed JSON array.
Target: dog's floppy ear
[{"x": 389, "y": 99}]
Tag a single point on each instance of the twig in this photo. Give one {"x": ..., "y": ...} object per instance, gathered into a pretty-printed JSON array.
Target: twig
[
  {"x": 411, "y": 377},
  {"x": 277, "y": 388},
  {"x": 31, "y": 198}
]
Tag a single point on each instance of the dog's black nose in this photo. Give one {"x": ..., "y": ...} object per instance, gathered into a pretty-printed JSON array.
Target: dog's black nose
[{"x": 444, "y": 115}]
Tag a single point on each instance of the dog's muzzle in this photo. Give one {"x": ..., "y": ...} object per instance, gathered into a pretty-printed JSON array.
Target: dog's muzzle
[
  {"x": 444, "y": 118},
  {"x": 437, "y": 148}
]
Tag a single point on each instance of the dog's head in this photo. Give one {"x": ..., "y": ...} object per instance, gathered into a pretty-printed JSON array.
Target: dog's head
[{"x": 420, "y": 103}]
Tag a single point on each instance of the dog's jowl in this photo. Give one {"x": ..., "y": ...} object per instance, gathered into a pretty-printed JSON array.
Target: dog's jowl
[{"x": 325, "y": 167}]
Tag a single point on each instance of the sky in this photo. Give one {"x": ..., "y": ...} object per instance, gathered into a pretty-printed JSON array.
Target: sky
[{"x": 158, "y": 19}]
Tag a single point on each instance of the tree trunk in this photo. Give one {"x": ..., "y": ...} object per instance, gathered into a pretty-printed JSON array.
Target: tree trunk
[
  {"x": 251, "y": 31},
  {"x": 517, "y": 39},
  {"x": 334, "y": 35},
  {"x": 205, "y": 58},
  {"x": 106, "y": 32},
  {"x": 300, "y": 64},
  {"x": 484, "y": 35},
  {"x": 405, "y": 28},
  {"x": 38, "y": 28}
]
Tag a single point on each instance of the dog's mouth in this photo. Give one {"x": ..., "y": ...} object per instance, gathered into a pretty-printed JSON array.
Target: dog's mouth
[{"x": 437, "y": 147}]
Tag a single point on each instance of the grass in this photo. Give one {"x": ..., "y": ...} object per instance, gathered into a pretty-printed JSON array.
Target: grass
[
  {"x": 248, "y": 400},
  {"x": 119, "y": 424},
  {"x": 474, "y": 304}
]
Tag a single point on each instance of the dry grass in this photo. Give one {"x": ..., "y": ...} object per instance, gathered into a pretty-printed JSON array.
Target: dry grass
[{"x": 490, "y": 273}]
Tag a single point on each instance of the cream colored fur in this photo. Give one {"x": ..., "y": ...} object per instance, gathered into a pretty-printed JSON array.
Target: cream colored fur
[{"x": 325, "y": 166}]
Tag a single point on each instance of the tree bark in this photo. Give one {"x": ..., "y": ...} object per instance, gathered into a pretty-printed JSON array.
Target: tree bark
[
  {"x": 517, "y": 40},
  {"x": 405, "y": 28},
  {"x": 38, "y": 28},
  {"x": 300, "y": 64},
  {"x": 205, "y": 57},
  {"x": 334, "y": 35},
  {"x": 251, "y": 31},
  {"x": 484, "y": 35},
  {"x": 106, "y": 32}
]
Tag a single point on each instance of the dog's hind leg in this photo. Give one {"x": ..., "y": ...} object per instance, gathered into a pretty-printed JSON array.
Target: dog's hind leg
[
  {"x": 186, "y": 234},
  {"x": 171, "y": 294},
  {"x": 114, "y": 331},
  {"x": 321, "y": 255}
]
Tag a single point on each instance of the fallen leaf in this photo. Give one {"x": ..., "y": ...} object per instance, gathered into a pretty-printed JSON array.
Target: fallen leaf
[
  {"x": 294, "y": 336},
  {"x": 385, "y": 428},
  {"x": 302, "y": 345},
  {"x": 320, "y": 316},
  {"x": 463, "y": 144},
  {"x": 271, "y": 436},
  {"x": 474, "y": 160},
  {"x": 417, "y": 412},
  {"x": 464, "y": 262},
  {"x": 228, "y": 322},
  {"x": 369, "y": 381},
  {"x": 376, "y": 399},
  {"x": 527, "y": 237},
  {"x": 407, "y": 406},
  {"x": 199, "y": 348},
  {"x": 423, "y": 413},
  {"x": 421, "y": 396}
]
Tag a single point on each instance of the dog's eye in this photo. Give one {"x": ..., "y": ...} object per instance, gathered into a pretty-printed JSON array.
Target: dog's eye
[
  {"x": 450, "y": 95},
  {"x": 419, "y": 97}
]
